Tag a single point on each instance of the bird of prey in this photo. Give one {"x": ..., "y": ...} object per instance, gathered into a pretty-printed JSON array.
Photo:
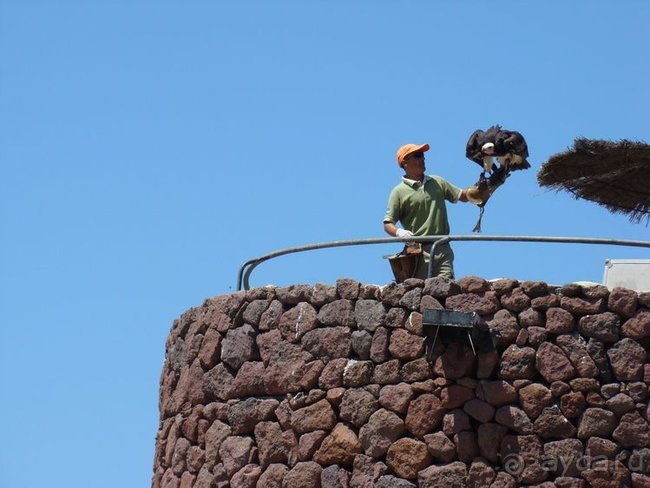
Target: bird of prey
[
  {"x": 509, "y": 148},
  {"x": 511, "y": 152}
]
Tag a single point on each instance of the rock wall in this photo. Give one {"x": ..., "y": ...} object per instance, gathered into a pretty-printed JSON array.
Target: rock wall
[{"x": 330, "y": 386}]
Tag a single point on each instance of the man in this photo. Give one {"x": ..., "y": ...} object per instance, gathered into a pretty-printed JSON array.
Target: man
[{"x": 418, "y": 203}]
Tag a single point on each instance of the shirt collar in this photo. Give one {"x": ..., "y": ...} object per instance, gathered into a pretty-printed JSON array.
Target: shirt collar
[{"x": 415, "y": 184}]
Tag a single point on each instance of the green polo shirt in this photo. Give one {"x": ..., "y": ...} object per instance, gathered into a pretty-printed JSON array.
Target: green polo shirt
[{"x": 420, "y": 207}]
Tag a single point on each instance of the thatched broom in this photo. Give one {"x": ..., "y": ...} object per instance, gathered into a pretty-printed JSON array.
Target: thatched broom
[{"x": 615, "y": 175}]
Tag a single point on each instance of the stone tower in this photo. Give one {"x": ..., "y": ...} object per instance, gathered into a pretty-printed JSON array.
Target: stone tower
[{"x": 330, "y": 386}]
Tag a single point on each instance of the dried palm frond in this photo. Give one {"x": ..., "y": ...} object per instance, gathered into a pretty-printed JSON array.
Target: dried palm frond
[{"x": 615, "y": 175}]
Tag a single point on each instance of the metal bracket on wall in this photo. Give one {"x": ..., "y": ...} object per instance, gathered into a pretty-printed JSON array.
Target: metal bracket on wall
[{"x": 433, "y": 319}]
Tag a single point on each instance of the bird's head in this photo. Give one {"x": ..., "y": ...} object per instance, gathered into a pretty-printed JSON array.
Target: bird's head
[{"x": 488, "y": 149}]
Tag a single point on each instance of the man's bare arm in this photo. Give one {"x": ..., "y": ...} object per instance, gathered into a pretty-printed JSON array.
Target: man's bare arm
[{"x": 390, "y": 229}]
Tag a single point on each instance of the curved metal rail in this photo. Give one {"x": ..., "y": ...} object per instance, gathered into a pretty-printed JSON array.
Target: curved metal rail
[{"x": 247, "y": 268}]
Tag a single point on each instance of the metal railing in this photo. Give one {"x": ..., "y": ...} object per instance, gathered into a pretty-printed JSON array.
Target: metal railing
[{"x": 247, "y": 268}]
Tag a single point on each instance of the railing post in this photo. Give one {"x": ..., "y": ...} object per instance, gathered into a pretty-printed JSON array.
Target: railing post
[{"x": 432, "y": 254}]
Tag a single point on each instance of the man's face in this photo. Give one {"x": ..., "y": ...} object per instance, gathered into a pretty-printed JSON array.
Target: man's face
[{"x": 414, "y": 166}]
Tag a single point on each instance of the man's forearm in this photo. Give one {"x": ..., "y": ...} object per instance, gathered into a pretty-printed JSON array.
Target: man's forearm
[{"x": 390, "y": 228}]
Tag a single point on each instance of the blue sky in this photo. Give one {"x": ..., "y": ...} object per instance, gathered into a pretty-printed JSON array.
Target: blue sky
[{"x": 148, "y": 149}]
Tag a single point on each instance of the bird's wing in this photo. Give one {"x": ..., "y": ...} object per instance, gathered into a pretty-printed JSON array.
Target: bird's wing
[
  {"x": 474, "y": 145},
  {"x": 516, "y": 144},
  {"x": 492, "y": 133}
]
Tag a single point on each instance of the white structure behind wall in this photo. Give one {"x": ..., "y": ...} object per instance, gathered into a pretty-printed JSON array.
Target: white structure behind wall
[{"x": 627, "y": 273}]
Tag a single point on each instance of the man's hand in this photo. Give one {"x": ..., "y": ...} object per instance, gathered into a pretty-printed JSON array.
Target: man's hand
[
  {"x": 477, "y": 196},
  {"x": 392, "y": 230},
  {"x": 403, "y": 233}
]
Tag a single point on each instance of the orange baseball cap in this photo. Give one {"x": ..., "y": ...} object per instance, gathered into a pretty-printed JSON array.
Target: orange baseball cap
[{"x": 407, "y": 149}]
